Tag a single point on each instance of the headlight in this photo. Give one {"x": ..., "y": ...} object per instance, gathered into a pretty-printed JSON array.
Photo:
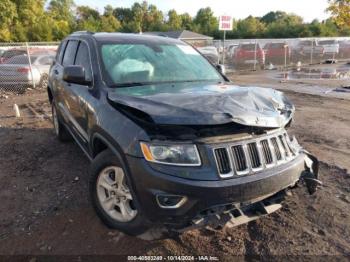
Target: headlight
[{"x": 179, "y": 155}]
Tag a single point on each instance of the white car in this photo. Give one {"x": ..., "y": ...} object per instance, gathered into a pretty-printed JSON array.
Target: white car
[
  {"x": 231, "y": 50},
  {"x": 330, "y": 46},
  {"x": 210, "y": 52},
  {"x": 18, "y": 72}
]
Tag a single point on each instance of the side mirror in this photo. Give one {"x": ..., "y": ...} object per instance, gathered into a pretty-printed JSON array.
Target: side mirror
[
  {"x": 221, "y": 68},
  {"x": 75, "y": 74}
]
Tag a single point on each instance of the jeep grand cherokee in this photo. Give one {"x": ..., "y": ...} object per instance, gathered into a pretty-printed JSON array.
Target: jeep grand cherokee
[{"x": 171, "y": 140}]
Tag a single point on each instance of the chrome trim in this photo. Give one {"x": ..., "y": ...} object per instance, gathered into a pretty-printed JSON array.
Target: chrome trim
[
  {"x": 217, "y": 164},
  {"x": 290, "y": 150},
  {"x": 179, "y": 204}
]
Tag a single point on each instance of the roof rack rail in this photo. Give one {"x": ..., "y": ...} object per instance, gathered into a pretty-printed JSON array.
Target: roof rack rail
[{"x": 83, "y": 32}]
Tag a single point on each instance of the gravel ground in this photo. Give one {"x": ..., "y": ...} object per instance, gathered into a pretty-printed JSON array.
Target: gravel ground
[{"x": 45, "y": 208}]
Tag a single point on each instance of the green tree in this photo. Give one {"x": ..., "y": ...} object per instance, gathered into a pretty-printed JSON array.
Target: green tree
[
  {"x": 340, "y": 12},
  {"x": 287, "y": 26},
  {"x": 88, "y": 19},
  {"x": 30, "y": 24},
  {"x": 250, "y": 27},
  {"x": 8, "y": 14},
  {"x": 272, "y": 17},
  {"x": 62, "y": 18},
  {"x": 205, "y": 22},
  {"x": 186, "y": 21},
  {"x": 108, "y": 21},
  {"x": 153, "y": 19},
  {"x": 174, "y": 20}
]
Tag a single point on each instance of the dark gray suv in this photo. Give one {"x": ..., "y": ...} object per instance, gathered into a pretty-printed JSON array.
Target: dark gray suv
[{"x": 172, "y": 142}]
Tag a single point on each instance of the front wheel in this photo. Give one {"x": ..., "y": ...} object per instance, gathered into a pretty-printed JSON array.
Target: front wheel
[{"x": 112, "y": 196}]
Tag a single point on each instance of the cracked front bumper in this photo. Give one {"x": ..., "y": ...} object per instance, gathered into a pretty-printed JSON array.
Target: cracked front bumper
[{"x": 204, "y": 195}]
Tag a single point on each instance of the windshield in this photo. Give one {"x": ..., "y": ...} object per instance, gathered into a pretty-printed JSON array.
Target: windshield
[{"x": 141, "y": 64}]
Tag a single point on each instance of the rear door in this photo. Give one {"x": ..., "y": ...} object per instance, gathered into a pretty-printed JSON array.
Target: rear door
[
  {"x": 67, "y": 102},
  {"x": 81, "y": 94}
]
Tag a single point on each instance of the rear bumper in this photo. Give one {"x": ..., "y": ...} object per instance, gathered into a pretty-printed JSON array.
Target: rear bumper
[{"x": 203, "y": 195}]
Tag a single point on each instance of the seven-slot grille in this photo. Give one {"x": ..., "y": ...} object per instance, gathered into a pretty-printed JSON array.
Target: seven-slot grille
[{"x": 245, "y": 157}]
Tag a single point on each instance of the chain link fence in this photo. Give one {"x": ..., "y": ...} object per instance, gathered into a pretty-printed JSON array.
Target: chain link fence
[
  {"x": 25, "y": 65},
  {"x": 267, "y": 54}
]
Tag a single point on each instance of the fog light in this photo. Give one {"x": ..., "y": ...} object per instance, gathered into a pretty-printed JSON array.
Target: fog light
[{"x": 170, "y": 201}]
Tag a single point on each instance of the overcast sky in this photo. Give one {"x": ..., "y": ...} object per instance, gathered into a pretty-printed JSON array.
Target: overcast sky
[{"x": 308, "y": 9}]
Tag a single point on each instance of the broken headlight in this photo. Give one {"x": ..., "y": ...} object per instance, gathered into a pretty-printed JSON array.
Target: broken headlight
[{"x": 180, "y": 155}]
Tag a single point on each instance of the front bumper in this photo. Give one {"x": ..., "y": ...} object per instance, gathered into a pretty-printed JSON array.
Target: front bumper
[{"x": 203, "y": 195}]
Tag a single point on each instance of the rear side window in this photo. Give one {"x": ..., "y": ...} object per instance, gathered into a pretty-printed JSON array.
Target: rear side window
[
  {"x": 69, "y": 54},
  {"x": 83, "y": 59},
  {"x": 60, "y": 52},
  {"x": 21, "y": 60}
]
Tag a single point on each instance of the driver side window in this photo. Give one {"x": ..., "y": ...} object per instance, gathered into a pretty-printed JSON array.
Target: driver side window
[{"x": 83, "y": 59}]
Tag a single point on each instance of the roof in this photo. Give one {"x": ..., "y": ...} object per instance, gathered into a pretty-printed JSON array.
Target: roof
[
  {"x": 128, "y": 38},
  {"x": 183, "y": 35}
]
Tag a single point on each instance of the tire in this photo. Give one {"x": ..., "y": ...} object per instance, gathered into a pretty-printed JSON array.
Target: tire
[
  {"x": 104, "y": 166},
  {"x": 60, "y": 131}
]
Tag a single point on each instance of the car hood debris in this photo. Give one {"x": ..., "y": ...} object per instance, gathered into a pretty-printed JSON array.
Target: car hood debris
[{"x": 205, "y": 104}]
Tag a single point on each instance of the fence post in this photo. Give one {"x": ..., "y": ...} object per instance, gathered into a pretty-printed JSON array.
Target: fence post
[
  {"x": 30, "y": 65},
  {"x": 312, "y": 51},
  {"x": 285, "y": 55},
  {"x": 255, "y": 56}
]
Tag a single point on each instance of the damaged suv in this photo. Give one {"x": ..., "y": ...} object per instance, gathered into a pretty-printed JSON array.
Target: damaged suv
[{"x": 171, "y": 141}]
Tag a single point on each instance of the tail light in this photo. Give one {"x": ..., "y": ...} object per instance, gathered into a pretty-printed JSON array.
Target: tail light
[{"x": 23, "y": 70}]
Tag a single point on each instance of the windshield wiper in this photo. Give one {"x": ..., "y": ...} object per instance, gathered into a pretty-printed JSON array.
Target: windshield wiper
[{"x": 130, "y": 84}]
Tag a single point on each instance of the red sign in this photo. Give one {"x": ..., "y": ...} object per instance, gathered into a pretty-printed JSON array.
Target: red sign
[{"x": 225, "y": 22}]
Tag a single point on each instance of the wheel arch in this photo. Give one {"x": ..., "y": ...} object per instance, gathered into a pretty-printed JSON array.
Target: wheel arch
[
  {"x": 105, "y": 142},
  {"x": 49, "y": 94},
  {"x": 101, "y": 142}
]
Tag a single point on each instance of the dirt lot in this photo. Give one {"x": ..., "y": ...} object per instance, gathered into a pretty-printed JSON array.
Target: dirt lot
[{"x": 45, "y": 207}]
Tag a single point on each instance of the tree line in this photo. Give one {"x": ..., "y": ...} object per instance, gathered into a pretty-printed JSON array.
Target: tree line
[{"x": 40, "y": 20}]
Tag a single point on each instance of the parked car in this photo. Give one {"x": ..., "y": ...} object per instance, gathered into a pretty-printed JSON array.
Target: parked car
[
  {"x": 230, "y": 50},
  {"x": 277, "y": 53},
  {"x": 307, "y": 47},
  {"x": 18, "y": 72},
  {"x": 331, "y": 47},
  {"x": 7, "y": 54},
  {"x": 172, "y": 143},
  {"x": 210, "y": 52},
  {"x": 11, "y": 53},
  {"x": 249, "y": 54},
  {"x": 344, "y": 49}
]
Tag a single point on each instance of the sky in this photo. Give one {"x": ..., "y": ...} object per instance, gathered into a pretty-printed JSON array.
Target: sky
[{"x": 308, "y": 9}]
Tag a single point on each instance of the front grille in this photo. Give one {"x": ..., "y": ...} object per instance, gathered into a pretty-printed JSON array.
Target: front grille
[
  {"x": 223, "y": 161},
  {"x": 239, "y": 158},
  {"x": 276, "y": 148},
  {"x": 252, "y": 155},
  {"x": 267, "y": 151}
]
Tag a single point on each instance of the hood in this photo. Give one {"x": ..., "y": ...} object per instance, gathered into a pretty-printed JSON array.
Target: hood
[{"x": 206, "y": 104}]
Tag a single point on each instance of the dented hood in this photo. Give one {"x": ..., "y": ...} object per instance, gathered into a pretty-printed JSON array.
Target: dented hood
[{"x": 206, "y": 104}]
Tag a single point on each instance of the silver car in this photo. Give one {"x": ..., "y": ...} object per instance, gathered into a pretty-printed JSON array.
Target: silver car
[
  {"x": 18, "y": 72},
  {"x": 210, "y": 52}
]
